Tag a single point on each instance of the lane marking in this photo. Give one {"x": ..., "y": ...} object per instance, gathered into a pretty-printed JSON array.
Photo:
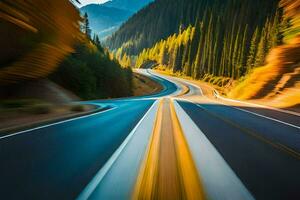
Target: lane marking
[
  {"x": 192, "y": 84},
  {"x": 219, "y": 180},
  {"x": 250, "y": 112},
  {"x": 256, "y": 105},
  {"x": 56, "y": 123},
  {"x": 90, "y": 188},
  {"x": 179, "y": 89},
  {"x": 192, "y": 184},
  {"x": 270, "y": 118},
  {"x": 276, "y": 145},
  {"x": 179, "y": 80},
  {"x": 168, "y": 171},
  {"x": 148, "y": 173},
  {"x": 247, "y": 103}
]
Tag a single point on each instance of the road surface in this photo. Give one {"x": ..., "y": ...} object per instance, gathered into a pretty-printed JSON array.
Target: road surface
[{"x": 181, "y": 143}]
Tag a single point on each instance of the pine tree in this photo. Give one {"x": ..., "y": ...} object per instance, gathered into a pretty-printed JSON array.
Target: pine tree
[
  {"x": 194, "y": 43},
  {"x": 163, "y": 55},
  {"x": 86, "y": 26},
  {"x": 276, "y": 31},
  {"x": 253, "y": 50},
  {"x": 177, "y": 58},
  {"x": 262, "y": 48},
  {"x": 241, "y": 58}
]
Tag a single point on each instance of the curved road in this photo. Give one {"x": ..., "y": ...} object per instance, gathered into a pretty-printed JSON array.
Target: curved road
[{"x": 144, "y": 147}]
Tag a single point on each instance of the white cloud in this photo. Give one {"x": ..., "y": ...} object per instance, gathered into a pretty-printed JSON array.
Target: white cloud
[{"x": 85, "y": 2}]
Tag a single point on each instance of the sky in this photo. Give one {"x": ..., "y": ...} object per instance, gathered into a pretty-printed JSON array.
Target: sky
[{"x": 85, "y": 2}]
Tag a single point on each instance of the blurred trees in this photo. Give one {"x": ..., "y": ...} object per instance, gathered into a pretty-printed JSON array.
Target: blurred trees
[
  {"x": 278, "y": 80},
  {"x": 35, "y": 36}
]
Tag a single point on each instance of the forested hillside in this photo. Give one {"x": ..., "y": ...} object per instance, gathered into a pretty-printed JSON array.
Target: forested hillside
[
  {"x": 230, "y": 16},
  {"x": 209, "y": 48}
]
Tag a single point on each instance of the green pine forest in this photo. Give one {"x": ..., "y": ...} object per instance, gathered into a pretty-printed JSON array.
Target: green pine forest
[
  {"x": 90, "y": 72},
  {"x": 216, "y": 38}
]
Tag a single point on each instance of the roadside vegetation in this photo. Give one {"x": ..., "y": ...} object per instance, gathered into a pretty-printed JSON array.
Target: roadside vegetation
[{"x": 91, "y": 74}]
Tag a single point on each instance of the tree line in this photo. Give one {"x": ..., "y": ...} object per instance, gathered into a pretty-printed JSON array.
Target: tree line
[
  {"x": 162, "y": 18},
  {"x": 227, "y": 41}
]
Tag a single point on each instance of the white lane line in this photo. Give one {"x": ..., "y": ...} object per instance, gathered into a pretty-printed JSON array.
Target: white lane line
[
  {"x": 219, "y": 180},
  {"x": 269, "y": 118},
  {"x": 256, "y": 105},
  {"x": 90, "y": 188},
  {"x": 250, "y": 112},
  {"x": 53, "y": 124}
]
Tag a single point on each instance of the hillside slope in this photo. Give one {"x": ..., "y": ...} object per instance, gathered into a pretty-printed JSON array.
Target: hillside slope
[
  {"x": 278, "y": 82},
  {"x": 106, "y": 18},
  {"x": 141, "y": 31}
]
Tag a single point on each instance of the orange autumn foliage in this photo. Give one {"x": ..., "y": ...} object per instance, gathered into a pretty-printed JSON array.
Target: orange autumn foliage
[
  {"x": 278, "y": 82},
  {"x": 36, "y": 35}
]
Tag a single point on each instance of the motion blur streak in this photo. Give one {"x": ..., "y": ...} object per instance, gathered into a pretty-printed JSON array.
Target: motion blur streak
[
  {"x": 278, "y": 81},
  {"x": 37, "y": 35},
  {"x": 168, "y": 171}
]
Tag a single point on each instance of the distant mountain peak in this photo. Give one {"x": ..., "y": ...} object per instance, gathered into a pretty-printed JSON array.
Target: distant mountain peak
[
  {"x": 132, "y": 5},
  {"x": 106, "y": 18}
]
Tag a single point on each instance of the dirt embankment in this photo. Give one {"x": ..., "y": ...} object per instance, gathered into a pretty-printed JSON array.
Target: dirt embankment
[
  {"x": 36, "y": 102},
  {"x": 143, "y": 85}
]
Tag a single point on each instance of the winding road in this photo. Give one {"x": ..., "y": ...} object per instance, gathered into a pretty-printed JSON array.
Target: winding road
[{"x": 185, "y": 142}]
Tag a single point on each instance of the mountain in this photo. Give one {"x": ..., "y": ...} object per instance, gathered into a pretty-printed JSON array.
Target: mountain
[
  {"x": 105, "y": 20},
  {"x": 132, "y": 5},
  {"x": 142, "y": 31}
]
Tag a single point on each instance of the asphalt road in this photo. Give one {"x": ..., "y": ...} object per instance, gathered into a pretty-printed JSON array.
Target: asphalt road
[{"x": 239, "y": 152}]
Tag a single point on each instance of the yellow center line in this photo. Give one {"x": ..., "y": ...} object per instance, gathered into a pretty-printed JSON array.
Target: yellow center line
[
  {"x": 191, "y": 181},
  {"x": 184, "y": 91},
  {"x": 148, "y": 172},
  {"x": 168, "y": 171}
]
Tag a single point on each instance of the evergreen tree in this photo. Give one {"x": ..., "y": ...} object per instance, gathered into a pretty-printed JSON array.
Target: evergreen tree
[
  {"x": 262, "y": 47},
  {"x": 86, "y": 26},
  {"x": 163, "y": 55},
  {"x": 253, "y": 50}
]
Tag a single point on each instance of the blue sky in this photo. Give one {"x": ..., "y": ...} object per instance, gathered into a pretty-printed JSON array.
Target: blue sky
[{"x": 85, "y": 2}]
